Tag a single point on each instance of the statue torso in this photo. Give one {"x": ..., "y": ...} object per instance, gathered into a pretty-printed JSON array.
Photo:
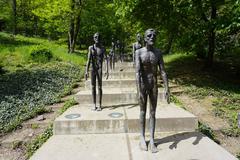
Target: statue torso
[
  {"x": 97, "y": 54},
  {"x": 148, "y": 67}
]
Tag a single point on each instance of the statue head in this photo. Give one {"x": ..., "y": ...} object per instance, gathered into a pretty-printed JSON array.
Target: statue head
[
  {"x": 97, "y": 38},
  {"x": 150, "y": 36},
  {"x": 138, "y": 37}
]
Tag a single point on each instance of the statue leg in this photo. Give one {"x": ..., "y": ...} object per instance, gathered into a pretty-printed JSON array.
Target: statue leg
[
  {"x": 153, "y": 94},
  {"x": 113, "y": 61},
  {"x": 99, "y": 77},
  {"x": 143, "y": 107},
  {"x": 93, "y": 80}
]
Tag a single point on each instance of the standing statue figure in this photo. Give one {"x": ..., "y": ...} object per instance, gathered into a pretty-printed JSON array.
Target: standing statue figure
[
  {"x": 147, "y": 60},
  {"x": 96, "y": 54},
  {"x": 112, "y": 56},
  {"x": 137, "y": 45},
  {"x": 119, "y": 50},
  {"x": 122, "y": 51}
]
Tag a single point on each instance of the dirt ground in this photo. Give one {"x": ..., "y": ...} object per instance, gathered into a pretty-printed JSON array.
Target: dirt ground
[
  {"x": 13, "y": 144},
  {"x": 203, "y": 110}
]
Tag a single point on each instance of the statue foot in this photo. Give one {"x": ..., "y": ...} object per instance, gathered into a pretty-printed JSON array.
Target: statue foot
[
  {"x": 99, "y": 108},
  {"x": 153, "y": 148},
  {"x": 143, "y": 145},
  {"x": 94, "y": 108}
]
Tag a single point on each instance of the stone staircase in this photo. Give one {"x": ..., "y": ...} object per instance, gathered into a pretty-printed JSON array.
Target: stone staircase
[{"x": 113, "y": 133}]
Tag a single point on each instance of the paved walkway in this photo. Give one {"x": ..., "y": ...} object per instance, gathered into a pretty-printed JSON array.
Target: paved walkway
[{"x": 112, "y": 134}]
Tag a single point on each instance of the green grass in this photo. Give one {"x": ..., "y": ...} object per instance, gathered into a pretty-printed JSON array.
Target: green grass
[
  {"x": 69, "y": 103},
  {"x": 38, "y": 141},
  {"x": 206, "y": 130},
  {"x": 15, "y": 51},
  {"x": 26, "y": 87},
  {"x": 221, "y": 82}
]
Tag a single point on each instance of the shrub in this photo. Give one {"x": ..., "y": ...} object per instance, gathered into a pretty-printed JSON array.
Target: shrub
[
  {"x": 41, "y": 54},
  {"x": 1, "y": 69}
]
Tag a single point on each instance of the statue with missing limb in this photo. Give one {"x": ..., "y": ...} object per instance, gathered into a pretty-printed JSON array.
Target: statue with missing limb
[
  {"x": 137, "y": 45},
  {"x": 148, "y": 59},
  {"x": 119, "y": 50},
  {"x": 112, "y": 56},
  {"x": 96, "y": 54}
]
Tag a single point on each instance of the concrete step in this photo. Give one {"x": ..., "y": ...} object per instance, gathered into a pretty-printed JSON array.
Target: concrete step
[
  {"x": 119, "y": 65},
  {"x": 122, "y": 75},
  {"x": 123, "y": 69},
  {"x": 113, "y": 96},
  {"x": 125, "y": 146},
  {"x": 169, "y": 118},
  {"x": 114, "y": 83},
  {"x": 120, "y": 83}
]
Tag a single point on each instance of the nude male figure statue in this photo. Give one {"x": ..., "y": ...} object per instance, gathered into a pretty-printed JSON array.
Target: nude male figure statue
[
  {"x": 148, "y": 59},
  {"x": 137, "y": 45},
  {"x": 96, "y": 54}
]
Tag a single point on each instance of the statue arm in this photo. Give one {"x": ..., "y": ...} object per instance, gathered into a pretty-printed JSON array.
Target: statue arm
[
  {"x": 138, "y": 67},
  {"x": 88, "y": 63},
  {"x": 106, "y": 59},
  {"x": 133, "y": 52},
  {"x": 164, "y": 77}
]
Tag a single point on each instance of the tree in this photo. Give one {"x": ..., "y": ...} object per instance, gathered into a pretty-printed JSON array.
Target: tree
[
  {"x": 74, "y": 27},
  {"x": 14, "y": 10}
]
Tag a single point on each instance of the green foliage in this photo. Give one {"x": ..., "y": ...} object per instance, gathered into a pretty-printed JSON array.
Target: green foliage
[
  {"x": 24, "y": 93},
  {"x": 69, "y": 103},
  {"x": 15, "y": 52},
  {"x": 26, "y": 87},
  {"x": 37, "y": 142},
  {"x": 41, "y": 54},
  {"x": 238, "y": 155},
  {"x": 175, "y": 100},
  {"x": 218, "y": 84},
  {"x": 207, "y": 131}
]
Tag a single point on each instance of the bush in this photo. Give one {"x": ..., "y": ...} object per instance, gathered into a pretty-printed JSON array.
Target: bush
[
  {"x": 41, "y": 54},
  {"x": 24, "y": 93},
  {"x": 1, "y": 69}
]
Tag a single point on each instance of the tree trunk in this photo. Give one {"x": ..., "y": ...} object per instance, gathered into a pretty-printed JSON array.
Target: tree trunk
[
  {"x": 211, "y": 37},
  {"x": 169, "y": 45},
  {"x": 35, "y": 26},
  {"x": 70, "y": 37},
  {"x": 74, "y": 25},
  {"x": 14, "y": 11},
  {"x": 71, "y": 30}
]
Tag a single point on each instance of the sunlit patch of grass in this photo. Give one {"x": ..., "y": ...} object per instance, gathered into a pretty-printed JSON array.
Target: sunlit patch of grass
[
  {"x": 27, "y": 86},
  {"x": 218, "y": 82},
  {"x": 15, "y": 51},
  {"x": 174, "y": 57}
]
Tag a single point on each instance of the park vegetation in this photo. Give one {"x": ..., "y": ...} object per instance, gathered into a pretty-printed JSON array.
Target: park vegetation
[{"x": 43, "y": 48}]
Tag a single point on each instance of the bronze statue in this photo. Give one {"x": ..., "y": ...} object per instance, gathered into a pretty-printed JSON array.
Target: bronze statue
[
  {"x": 137, "y": 45},
  {"x": 119, "y": 50},
  {"x": 147, "y": 60},
  {"x": 96, "y": 54},
  {"x": 112, "y": 56}
]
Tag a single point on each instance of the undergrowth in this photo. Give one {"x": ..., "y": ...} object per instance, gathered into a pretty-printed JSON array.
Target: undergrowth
[
  {"x": 221, "y": 83},
  {"x": 36, "y": 143},
  {"x": 206, "y": 130}
]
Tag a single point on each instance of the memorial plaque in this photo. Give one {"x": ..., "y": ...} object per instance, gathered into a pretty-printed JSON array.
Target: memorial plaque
[
  {"x": 72, "y": 116},
  {"x": 115, "y": 115}
]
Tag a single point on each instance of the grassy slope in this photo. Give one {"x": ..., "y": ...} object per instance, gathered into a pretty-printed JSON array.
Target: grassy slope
[
  {"x": 221, "y": 82},
  {"x": 26, "y": 86}
]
